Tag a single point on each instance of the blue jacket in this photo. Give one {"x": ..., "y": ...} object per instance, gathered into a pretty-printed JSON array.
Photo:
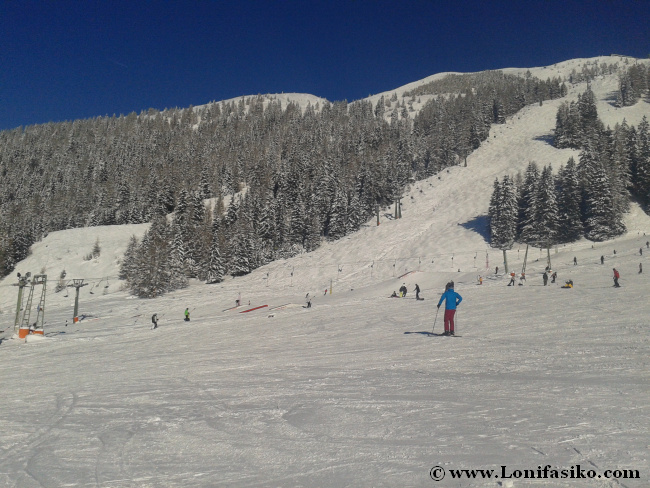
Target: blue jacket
[{"x": 452, "y": 299}]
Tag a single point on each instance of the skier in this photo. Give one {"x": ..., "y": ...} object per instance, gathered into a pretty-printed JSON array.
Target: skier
[
  {"x": 496, "y": 270},
  {"x": 154, "y": 321},
  {"x": 480, "y": 280},
  {"x": 402, "y": 291},
  {"x": 308, "y": 301},
  {"x": 417, "y": 292},
  {"x": 325, "y": 292},
  {"x": 394, "y": 295},
  {"x": 575, "y": 261},
  {"x": 452, "y": 299},
  {"x": 640, "y": 268},
  {"x": 640, "y": 251},
  {"x": 647, "y": 244},
  {"x": 553, "y": 276},
  {"x": 545, "y": 276},
  {"x": 568, "y": 284},
  {"x": 602, "y": 260},
  {"x": 187, "y": 315},
  {"x": 616, "y": 278},
  {"x": 512, "y": 279}
]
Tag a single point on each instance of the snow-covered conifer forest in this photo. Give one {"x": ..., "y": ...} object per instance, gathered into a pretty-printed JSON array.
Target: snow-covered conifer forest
[{"x": 288, "y": 199}]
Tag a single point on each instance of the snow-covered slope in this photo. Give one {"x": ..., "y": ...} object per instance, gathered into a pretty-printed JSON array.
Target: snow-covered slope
[
  {"x": 353, "y": 391},
  {"x": 562, "y": 70}
]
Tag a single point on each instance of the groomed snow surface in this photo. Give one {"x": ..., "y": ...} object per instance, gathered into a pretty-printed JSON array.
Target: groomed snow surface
[{"x": 354, "y": 391}]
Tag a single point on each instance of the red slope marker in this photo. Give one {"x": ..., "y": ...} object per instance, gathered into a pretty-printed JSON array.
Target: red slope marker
[{"x": 251, "y": 309}]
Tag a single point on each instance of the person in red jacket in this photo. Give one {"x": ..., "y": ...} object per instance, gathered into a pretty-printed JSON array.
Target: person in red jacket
[{"x": 616, "y": 278}]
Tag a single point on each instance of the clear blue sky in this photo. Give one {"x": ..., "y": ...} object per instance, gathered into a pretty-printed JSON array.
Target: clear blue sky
[{"x": 65, "y": 60}]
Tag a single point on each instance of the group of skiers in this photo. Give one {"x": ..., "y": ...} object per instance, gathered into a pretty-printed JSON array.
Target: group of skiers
[
  {"x": 546, "y": 274},
  {"x": 403, "y": 291},
  {"x": 451, "y": 298},
  {"x": 154, "y": 318}
]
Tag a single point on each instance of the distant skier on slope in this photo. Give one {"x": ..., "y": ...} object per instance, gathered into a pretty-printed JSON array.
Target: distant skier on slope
[
  {"x": 417, "y": 292},
  {"x": 402, "y": 291},
  {"x": 187, "y": 315},
  {"x": 512, "y": 279},
  {"x": 154, "y": 321},
  {"x": 452, "y": 300},
  {"x": 617, "y": 276}
]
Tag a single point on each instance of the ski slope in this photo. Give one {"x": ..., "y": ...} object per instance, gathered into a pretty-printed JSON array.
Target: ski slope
[{"x": 354, "y": 391}]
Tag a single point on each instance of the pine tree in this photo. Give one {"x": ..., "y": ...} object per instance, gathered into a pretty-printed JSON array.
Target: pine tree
[
  {"x": 241, "y": 254},
  {"x": 152, "y": 276},
  {"x": 494, "y": 211},
  {"x": 216, "y": 265},
  {"x": 205, "y": 187},
  {"x": 509, "y": 212},
  {"x": 177, "y": 258},
  {"x": 547, "y": 209},
  {"x": 339, "y": 216},
  {"x": 128, "y": 267},
  {"x": 503, "y": 214},
  {"x": 600, "y": 219},
  {"x": 569, "y": 201},
  {"x": 641, "y": 181},
  {"x": 526, "y": 229}
]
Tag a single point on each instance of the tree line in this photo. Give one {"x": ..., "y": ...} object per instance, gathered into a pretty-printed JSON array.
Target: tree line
[{"x": 585, "y": 199}]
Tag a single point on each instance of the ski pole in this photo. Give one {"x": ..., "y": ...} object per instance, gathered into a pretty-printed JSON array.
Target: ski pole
[{"x": 434, "y": 321}]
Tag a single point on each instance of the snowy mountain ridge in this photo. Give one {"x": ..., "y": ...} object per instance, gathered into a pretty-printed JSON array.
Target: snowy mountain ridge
[{"x": 562, "y": 70}]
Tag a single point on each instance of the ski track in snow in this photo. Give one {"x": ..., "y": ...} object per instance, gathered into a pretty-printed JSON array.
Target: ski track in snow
[{"x": 354, "y": 391}]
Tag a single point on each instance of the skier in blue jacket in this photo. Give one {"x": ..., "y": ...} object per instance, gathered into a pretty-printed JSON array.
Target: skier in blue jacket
[{"x": 452, "y": 299}]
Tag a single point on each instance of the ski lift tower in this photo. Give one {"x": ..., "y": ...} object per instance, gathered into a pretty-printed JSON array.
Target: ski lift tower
[
  {"x": 77, "y": 283},
  {"x": 23, "y": 281},
  {"x": 26, "y": 325}
]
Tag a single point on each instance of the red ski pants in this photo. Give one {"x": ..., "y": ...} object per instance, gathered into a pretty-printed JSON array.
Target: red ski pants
[{"x": 449, "y": 320}]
